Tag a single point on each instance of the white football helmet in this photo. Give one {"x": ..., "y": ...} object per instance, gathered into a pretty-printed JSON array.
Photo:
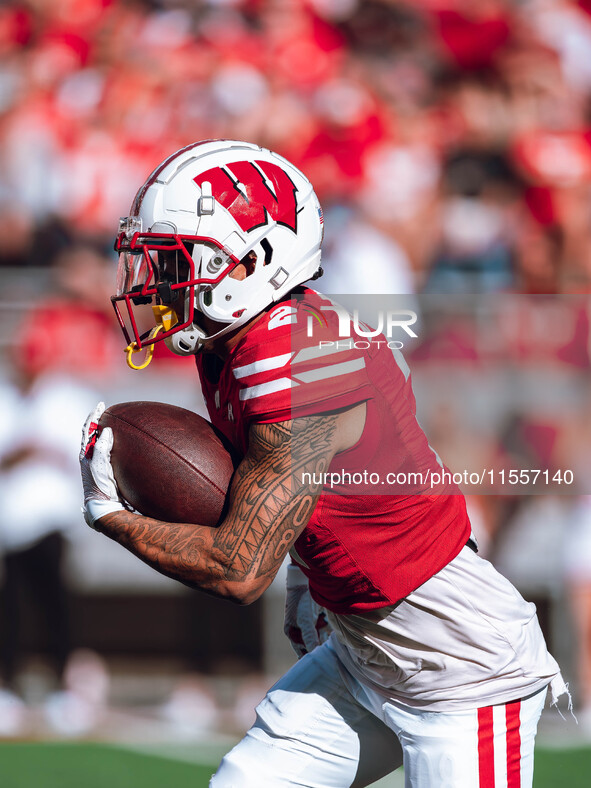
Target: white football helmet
[{"x": 204, "y": 210}]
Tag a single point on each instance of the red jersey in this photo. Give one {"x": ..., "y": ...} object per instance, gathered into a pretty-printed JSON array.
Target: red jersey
[{"x": 378, "y": 530}]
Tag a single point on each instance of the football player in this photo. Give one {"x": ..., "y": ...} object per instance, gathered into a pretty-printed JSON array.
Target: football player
[{"x": 434, "y": 660}]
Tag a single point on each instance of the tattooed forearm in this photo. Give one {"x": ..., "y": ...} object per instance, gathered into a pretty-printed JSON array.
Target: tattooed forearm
[
  {"x": 269, "y": 507},
  {"x": 272, "y": 504},
  {"x": 174, "y": 549}
]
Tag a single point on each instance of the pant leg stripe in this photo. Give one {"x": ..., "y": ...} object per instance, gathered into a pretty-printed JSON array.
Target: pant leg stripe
[
  {"x": 513, "y": 718},
  {"x": 486, "y": 759}
]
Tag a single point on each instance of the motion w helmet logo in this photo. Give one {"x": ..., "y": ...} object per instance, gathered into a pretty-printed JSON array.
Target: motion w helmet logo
[{"x": 253, "y": 191}]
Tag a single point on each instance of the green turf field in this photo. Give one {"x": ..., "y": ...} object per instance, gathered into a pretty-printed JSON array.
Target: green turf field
[{"x": 48, "y": 765}]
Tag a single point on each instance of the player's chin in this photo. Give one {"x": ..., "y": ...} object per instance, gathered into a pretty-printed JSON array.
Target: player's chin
[{"x": 204, "y": 324}]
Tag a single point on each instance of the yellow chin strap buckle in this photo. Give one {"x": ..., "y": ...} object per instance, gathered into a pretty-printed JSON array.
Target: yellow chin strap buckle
[
  {"x": 165, "y": 318},
  {"x": 133, "y": 348}
]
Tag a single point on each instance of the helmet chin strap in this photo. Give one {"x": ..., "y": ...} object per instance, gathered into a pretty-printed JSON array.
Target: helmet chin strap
[
  {"x": 132, "y": 348},
  {"x": 182, "y": 343}
]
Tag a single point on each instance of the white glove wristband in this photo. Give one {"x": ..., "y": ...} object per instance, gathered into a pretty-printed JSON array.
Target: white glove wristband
[
  {"x": 100, "y": 489},
  {"x": 94, "y": 509}
]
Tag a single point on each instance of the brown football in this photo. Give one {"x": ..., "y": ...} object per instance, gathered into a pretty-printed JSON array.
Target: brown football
[{"x": 169, "y": 462}]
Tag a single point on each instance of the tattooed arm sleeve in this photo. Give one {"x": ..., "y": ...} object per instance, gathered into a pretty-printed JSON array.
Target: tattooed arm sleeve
[{"x": 272, "y": 498}]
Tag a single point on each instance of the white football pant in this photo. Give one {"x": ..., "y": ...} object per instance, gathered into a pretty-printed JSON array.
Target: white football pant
[{"x": 320, "y": 728}]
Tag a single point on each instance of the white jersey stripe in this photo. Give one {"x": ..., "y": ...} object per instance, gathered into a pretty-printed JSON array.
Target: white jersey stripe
[
  {"x": 276, "y": 362},
  {"x": 311, "y": 353},
  {"x": 262, "y": 389},
  {"x": 331, "y": 371},
  {"x": 262, "y": 365}
]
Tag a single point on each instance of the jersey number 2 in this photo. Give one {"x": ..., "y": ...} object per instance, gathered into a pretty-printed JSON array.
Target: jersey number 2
[{"x": 283, "y": 315}]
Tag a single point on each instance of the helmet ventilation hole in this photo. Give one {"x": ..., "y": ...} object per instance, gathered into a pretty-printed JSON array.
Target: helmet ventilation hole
[{"x": 268, "y": 249}]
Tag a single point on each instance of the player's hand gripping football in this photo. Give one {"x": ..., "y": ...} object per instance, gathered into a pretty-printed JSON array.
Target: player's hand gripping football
[
  {"x": 305, "y": 621},
  {"x": 100, "y": 491}
]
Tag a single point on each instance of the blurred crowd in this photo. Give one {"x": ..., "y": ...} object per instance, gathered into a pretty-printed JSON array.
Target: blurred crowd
[
  {"x": 449, "y": 142},
  {"x": 458, "y": 130}
]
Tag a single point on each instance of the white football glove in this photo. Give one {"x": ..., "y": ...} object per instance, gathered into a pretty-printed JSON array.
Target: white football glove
[
  {"x": 100, "y": 491},
  {"x": 305, "y": 622}
]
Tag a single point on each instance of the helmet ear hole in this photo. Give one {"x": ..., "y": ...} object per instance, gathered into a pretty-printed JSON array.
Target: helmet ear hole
[{"x": 268, "y": 250}]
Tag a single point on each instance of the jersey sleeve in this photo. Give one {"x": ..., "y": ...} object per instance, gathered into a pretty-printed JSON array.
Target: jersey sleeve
[{"x": 284, "y": 373}]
